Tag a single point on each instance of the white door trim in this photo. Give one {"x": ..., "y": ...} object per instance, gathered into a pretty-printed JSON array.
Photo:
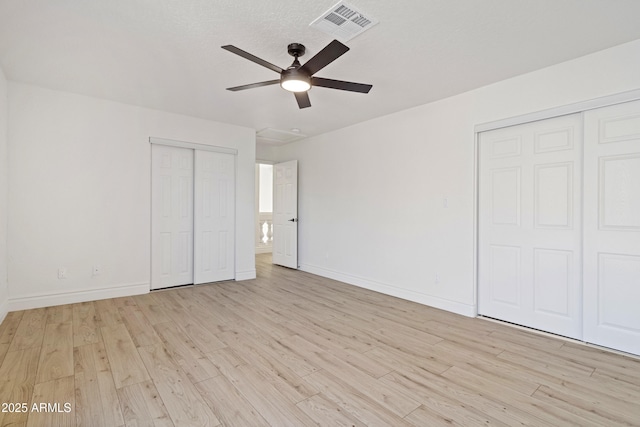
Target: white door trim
[
  {"x": 563, "y": 110},
  {"x": 192, "y": 145}
]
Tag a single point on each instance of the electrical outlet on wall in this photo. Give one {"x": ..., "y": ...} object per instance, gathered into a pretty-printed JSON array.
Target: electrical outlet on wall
[{"x": 62, "y": 273}]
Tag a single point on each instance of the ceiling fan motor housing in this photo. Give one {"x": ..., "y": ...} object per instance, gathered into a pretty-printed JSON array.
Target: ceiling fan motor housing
[
  {"x": 293, "y": 78},
  {"x": 296, "y": 49}
]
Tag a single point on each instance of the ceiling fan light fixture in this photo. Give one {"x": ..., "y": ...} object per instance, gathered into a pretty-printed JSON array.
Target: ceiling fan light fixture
[
  {"x": 295, "y": 85},
  {"x": 294, "y": 81}
]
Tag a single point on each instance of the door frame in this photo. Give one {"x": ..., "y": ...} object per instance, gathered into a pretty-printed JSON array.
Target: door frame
[
  {"x": 201, "y": 147},
  {"x": 256, "y": 209},
  {"x": 578, "y": 107}
]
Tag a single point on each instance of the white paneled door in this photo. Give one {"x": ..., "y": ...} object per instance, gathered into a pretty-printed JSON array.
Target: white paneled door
[
  {"x": 530, "y": 225},
  {"x": 285, "y": 214},
  {"x": 214, "y": 213},
  {"x": 192, "y": 216},
  {"x": 612, "y": 227},
  {"x": 171, "y": 217}
]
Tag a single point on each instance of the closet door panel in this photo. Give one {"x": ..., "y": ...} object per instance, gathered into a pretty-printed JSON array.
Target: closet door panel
[
  {"x": 214, "y": 217},
  {"x": 171, "y": 216},
  {"x": 612, "y": 227},
  {"x": 529, "y": 225}
]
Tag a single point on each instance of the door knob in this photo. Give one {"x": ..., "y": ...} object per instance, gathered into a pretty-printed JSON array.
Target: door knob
[{"x": 293, "y": 220}]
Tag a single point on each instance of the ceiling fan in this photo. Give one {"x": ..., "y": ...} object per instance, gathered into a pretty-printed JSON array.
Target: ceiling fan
[{"x": 299, "y": 78}]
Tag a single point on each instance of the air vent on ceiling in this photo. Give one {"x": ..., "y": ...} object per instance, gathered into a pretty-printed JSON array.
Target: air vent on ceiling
[
  {"x": 277, "y": 137},
  {"x": 344, "y": 22}
]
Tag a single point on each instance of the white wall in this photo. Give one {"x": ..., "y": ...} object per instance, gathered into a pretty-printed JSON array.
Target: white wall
[
  {"x": 79, "y": 172},
  {"x": 4, "y": 176},
  {"x": 371, "y": 196},
  {"x": 267, "y": 153}
]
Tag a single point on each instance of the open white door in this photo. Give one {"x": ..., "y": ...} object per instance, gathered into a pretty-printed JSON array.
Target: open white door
[
  {"x": 214, "y": 213},
  {"x": 285, "y": 214}
]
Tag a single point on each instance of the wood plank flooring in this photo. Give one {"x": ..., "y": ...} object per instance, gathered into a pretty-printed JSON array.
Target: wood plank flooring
[{"x": 293, "y": 349}]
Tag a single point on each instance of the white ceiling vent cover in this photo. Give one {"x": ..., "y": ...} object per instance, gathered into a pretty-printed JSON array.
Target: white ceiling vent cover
[{"x": 344, "y": 22}]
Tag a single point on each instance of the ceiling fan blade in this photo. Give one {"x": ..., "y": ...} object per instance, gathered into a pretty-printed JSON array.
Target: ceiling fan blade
[
  {"x": 252, "y": 85},
  {"x": 303, "y": 99},
  {"x": 326, "y": 56},
  {"x": 253, "y": 58},
  {"x": 340, "y": 85}
]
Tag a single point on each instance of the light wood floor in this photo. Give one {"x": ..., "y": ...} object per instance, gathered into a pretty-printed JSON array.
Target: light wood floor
[{"x": 293, "y": 349}]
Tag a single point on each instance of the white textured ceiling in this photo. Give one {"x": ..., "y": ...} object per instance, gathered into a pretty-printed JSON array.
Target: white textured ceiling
[{"x": 165, "y": 54}]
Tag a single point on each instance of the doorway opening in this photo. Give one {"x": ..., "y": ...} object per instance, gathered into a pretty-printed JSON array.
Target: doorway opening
[{"x": 264, "y": 208}]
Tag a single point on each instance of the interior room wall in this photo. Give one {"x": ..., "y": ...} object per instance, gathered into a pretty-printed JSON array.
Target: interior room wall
[
  {"x": 4, "y": 176},
  {"x": 388, "y": 204},
  {"x": 79, "y": 169},
  {"x": 266, "y": 153}
]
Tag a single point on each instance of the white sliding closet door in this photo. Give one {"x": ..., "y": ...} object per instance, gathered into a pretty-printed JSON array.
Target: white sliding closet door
[
  {"x": 192, "y": 216},
  {"x": 171, "y": 216},
  {"x": 530, "y": 225},
  {"x": 214, "y": 229},
  {"x": 612, "y": 227}
]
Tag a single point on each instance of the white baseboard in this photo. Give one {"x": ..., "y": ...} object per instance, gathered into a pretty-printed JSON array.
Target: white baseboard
[
  {"x": 383, "y": 288},
  {"x": 245, "y": 275},
  {"x": 264, "y": 249},
  {"x": 48, "y": 300},
  {"x": 4, "y": 309}
]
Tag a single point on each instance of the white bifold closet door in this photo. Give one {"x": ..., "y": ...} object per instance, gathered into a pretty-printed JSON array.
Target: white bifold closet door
[
  {"x": 192, "y": 218},
  {"x": 529, "y": 258},
  {"x": 612, "y": 227}
]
